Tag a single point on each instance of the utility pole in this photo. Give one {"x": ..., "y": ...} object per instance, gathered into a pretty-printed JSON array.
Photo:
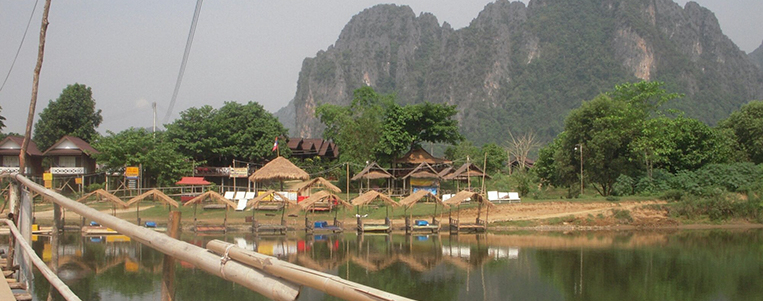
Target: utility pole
[{"x": 579, "y": 147}]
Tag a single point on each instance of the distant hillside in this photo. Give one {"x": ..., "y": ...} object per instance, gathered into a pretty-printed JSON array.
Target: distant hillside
[
  {"x": 522, "y": 68},
  {"x": 757, "y": 57}
]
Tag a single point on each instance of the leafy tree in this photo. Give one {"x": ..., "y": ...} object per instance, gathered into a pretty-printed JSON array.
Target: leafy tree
[
  {"x": 406, "y": 127},
  {"x": 235, "y": 131},
  {"x": 73, "y": 113},
  {"x": 747, "y": 125},
  {"x": 355, "y": 128},
  {"x": 162, "y": 164},
  {"x": 374, "y": 127}
]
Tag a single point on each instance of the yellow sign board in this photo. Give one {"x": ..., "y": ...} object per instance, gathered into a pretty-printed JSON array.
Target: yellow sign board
[
  {"x": 78, "y": 181},
  {"x": 47, "y": 176},
  {"x": 49, "y": 184},
  {"x": 132, "y": 172},
  {"x": 239, "y": 172}
]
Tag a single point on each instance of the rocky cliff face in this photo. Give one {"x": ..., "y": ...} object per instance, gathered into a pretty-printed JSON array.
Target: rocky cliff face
[
  {"x": 757, "y": 57},
  {"x": 522, "y": 68}
]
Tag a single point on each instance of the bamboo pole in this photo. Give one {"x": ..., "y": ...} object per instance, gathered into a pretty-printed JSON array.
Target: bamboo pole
[
  {"x": 330, "y": 284},
  {"x": 41, "y": 266},
  {"x": 268, "y": 286}
]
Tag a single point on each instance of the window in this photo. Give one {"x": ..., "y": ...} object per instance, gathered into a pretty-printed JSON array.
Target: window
[
  {"x": 10, "y": 161},
  {"x": 67, "y": 161}
]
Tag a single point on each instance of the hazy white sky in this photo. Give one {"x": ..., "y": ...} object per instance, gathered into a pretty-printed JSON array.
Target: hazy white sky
[{"x": 129, "y": 52}]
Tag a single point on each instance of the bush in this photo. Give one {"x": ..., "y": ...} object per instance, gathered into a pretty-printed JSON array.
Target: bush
[
  {"x": 622, "y": 215},
  {"x": 624, "y": 185},
  {"x": 94, "y": 187},
  {"x": 672, "y": 195}
]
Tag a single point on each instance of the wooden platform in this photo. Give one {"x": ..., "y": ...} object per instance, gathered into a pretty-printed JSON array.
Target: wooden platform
[
  {"x": 209, "y": 228},
  {"x": 97, "y": 231},
  {"x": 7, "y": 287},
  {"x": 375, "y": 228},
  {"x": 270, "y": 229}
]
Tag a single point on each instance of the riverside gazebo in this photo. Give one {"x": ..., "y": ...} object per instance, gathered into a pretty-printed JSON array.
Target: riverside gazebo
[
  {"x": 213, "y": 196},
  {"x": 479, "y": 225},
  {"x": 153, "y": 194},
  {"x": 367, "y": 198},
  {"x": 421, "y": 225}
]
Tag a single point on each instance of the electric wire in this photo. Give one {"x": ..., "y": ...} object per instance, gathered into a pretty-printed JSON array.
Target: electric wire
[
  {"x": 187, "y": 51},
  {"x": 20, "y": 45}
]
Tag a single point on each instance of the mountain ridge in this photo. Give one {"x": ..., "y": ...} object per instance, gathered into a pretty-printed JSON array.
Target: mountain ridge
[{"x": 522, "y": 68}]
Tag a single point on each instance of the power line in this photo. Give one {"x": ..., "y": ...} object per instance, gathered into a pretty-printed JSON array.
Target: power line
[
  {"x": 20, "y": 44},
  {"x": 185, "y": 58}
]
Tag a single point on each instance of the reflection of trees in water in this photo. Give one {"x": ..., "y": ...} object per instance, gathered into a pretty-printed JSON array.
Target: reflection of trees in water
[{"x": 694, "y": 265}]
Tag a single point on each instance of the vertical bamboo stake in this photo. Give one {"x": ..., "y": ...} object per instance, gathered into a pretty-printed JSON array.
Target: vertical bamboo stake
[
  {"x": 35, "y": 85},
  {"x": 168, "y": 266}
]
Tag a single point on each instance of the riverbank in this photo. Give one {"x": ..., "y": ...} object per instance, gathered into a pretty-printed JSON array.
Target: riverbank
[{"x": 534, "y": 216}]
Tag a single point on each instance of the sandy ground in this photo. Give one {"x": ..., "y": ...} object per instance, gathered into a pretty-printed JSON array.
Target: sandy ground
[{"x": 542, "y": 216}]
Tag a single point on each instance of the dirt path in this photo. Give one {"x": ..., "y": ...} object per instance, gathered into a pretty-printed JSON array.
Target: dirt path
[{"x": 541, "y": 211}]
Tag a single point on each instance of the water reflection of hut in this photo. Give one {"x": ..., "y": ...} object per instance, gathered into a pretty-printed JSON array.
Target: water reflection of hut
[
  {"x": 479, "y": 225},
  {"x": 367, "y": 198},
  {"x": 210, "y": 196},
  {"x": 421, "y": 225}
]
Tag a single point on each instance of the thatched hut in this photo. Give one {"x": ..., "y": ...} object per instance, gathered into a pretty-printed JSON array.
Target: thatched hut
[
  {"x": 103, "y": 195},
  {"x": 414, "y": 198},
  {"x": 153, "y": 194},
  {"x": 464, "y": 174},
  {"x": 279, "y": 169},
  {"x": 367, "y": 198},
  {"x": 213, "y": 196},
  {"x": 304, "y": 188},
  {"x": 373, "y": 171},
  {"x": 422, "y": 177},
  {"x": 272, "y": 201},
  {"x": 479, "y": 225},
  {"x": 323, "y": 200}
]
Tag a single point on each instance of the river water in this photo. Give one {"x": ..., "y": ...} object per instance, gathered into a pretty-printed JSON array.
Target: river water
[{"x": 640, "y": 265}]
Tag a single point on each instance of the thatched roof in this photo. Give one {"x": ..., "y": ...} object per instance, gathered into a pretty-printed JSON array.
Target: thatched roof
[
  {"x": 211, "y": 195},
  {"x": 322, "y": 196},
  {"x": 419, "y": 155},
  {"x": 412, "y": 199},
  {"x": 466, "y": 170},
  {"x": 154, "y": 194},
  {"x": 270, "y": 193},
  {"x": 466, "y": 194},
  {"x": 100, "y": 195},
  {"x": 423, "y": 170},
  {"x": 371, "y": 196},
  {"x": 279, "y": 169},
  {"x": 317, "y": 182},
  {"x": 372, "y": 171}
]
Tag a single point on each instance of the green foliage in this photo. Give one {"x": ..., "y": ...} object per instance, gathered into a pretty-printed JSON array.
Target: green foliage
[
  {"x": 73, "y": 113},
  {"x": 162, "y": 164},
  {"x": 622, "y": 215},
  {"x": 747, "y": 126},
  {"x": 374, "y": 127},
  {"x": 717, "y": 207},
  {"x": 94, "y": 186},
  {"x": 236, "y": 131}
]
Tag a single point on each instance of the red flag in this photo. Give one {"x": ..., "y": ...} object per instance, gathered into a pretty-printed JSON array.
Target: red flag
[{"x": 275, "y": 145}]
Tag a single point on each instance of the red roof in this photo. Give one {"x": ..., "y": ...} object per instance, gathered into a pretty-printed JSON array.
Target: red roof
[{"x": 192, "y": 181}]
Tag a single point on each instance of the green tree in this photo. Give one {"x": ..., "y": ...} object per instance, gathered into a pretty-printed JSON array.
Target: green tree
[
  {"x": 235, "y": 131},
  {"x": 405, "y": 127},
  {"x": 162, "y": 164},
  {"x": 355, "y": 128},
  {"x": 73, "y": 113},
  {"x": 747, "y": 125},
  {"x": 374, "y": 127}
]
